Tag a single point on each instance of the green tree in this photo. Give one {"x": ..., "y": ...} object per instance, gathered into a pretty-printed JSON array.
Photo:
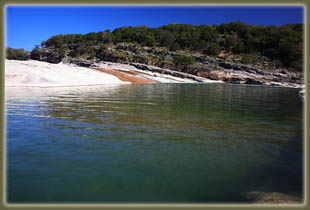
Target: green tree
[
  {"x": 175, "y": 46},
  {"x": 239, "y": 47},
  {"x": 213, "y": 49},
  {"x": 230, "y": 43}
]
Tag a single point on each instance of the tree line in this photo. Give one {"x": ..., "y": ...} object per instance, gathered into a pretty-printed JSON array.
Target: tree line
[{"x": 17, "y": 54}]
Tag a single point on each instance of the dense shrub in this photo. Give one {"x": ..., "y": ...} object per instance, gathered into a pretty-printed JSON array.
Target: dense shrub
[
  {"x": 175, "y": 46},
  {"x": 284, "y": 43},
  {"x": 35, "y": 54},
  {"x": 184, "y": 60},
  {"x": 16, "y": 54}
]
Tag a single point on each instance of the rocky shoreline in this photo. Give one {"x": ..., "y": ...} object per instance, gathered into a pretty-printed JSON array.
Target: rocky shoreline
[
  {"x": 189, "y": 66},
  {"x": 239, "y": 75},
  {"x": 248, "y": 76},
  {"x": 217, "y": 69},
  {"x": 228, "y": 68},
  {"x": 233, "y": 73},
  {"x": 169, "y": 72},
  {"x": 229, "y": 73}
]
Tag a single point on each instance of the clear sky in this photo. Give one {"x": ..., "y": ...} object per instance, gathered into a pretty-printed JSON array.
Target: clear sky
[{"x": 27, "y": 26}]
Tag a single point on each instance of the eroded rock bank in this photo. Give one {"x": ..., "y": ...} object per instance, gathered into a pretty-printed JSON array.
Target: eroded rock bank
[
  {"x": 228, "y": 72},
  {"x": 241, "y": 76}
]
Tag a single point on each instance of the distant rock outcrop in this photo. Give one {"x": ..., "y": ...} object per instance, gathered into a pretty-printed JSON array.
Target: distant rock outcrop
[
  {"x": 46, "y": 54},
  {"x": 83, "y": 63}
]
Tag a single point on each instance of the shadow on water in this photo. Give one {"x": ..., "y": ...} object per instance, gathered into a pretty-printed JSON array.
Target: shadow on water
[{"x": 153, "y": 143}]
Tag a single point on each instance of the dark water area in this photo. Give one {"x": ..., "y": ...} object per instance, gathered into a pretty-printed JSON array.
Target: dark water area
[{"x": 157, "y": 143}]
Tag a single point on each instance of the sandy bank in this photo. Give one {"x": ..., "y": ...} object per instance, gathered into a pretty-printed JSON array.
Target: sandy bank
[
  {"x": 41, "y": 74},
  {"x": 128, "y": 76}
]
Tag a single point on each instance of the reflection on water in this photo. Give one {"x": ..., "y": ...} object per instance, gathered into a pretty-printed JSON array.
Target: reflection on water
[{"x": 152, "y": 143}]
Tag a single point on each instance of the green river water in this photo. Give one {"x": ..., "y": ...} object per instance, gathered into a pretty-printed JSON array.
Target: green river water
[{"x": 154, "y": 143}]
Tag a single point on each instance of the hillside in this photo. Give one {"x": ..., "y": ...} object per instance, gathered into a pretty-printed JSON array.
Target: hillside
[
  {"x": 231, "y": 52},
  {"x": 276, "y": 47}
]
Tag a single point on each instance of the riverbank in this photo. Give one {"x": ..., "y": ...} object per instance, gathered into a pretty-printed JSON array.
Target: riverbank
[
  {"x": 236, "y": 76},
  {"x": 219, "y": 71},
  {"x": 149, "y": 74},
  {"x": 34, "y": 73}
]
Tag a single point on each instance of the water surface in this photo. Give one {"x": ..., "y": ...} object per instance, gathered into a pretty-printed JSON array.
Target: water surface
[{"x": 202, "y": 143}]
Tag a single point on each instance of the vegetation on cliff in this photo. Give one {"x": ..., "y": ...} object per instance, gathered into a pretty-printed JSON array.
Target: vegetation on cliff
[{"x": 282, "y": 45}]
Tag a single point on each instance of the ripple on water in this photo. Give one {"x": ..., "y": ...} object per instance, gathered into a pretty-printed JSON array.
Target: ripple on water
[{"x": 153, "y": 142}]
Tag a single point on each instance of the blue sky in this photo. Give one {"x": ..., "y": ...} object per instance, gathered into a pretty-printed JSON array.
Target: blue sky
[{"x": 27, "y": 26}]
